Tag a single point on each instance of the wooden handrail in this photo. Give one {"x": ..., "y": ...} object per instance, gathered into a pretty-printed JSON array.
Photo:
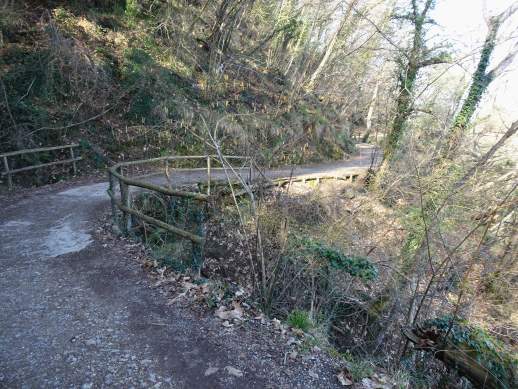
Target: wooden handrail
[
  {"x": 9, "y": 172},
  {"x": 39, "y": 150},
  {"x": 32, "y": 167},
  {"x": 158, "y": 188},
  {"x": 124, "y": 204}
]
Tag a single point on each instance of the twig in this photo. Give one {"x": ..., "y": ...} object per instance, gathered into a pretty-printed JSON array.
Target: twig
[
  {"x": 28, "y": 90},
  {"x": 73, "y": 124},
  {"x": 7, "y": 102}
]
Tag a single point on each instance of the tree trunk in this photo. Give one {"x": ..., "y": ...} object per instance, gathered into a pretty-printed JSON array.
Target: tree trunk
[
  {"x": 370, "y": 112},
  {"x": 457, "y": 357},
  {"x": 403, "y": 111},
  {"x": 478, "y": 86},
  {"x": 331, "y": 45},
  {"x": 481, "y": 80},
  {"x": 407, "y": 80}
]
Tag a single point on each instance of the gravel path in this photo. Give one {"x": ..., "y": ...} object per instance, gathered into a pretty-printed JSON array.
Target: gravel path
[{"x": 77, "y": 312}]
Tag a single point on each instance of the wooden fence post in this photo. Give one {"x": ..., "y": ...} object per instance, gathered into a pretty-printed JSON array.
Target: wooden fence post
[
  {"x": 115, "y": 217},
  {"x": 208, "y": 175},
  {"x": 9, "y": 177},
  {"x": 125, "y": 200},
  {"x": 9, "y": 172},
  {"x": 74, "y": 165}
]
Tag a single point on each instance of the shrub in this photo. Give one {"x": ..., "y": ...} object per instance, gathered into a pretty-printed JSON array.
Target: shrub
[
  {"x": 300, "y": 319},
  {"x": 335, "y": 259},
  {"x": 170, "y": 249}
]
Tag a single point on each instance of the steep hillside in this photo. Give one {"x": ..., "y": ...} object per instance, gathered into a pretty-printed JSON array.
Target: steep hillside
[{"x": 130, "y": 80}]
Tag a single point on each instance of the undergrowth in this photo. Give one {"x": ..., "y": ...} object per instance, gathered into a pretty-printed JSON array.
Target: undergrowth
[
  {"x": 476, "y": 342},
  {"x": 169, "y": 249}
]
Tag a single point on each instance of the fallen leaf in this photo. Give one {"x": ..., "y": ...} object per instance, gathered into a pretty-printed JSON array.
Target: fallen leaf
[
  {"x": 368, "y": 383},
  {"x": 161, "y": 271},
  {"x": 291, "y": 341},
  {"x": 261, "y": 317},
  {"x": 344, "y": 378},
  {"x": 224, "y": 314}
]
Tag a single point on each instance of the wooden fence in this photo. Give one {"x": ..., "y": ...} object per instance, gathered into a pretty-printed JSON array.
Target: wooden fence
[
  {"x": 9, "y": 172},
  {"x": 117, "y": 178}
]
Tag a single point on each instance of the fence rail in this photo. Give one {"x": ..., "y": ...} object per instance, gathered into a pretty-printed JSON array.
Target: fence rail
[{"x": 9, "y": 172}]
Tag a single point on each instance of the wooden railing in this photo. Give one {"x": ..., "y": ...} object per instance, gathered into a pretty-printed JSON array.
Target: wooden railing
[
  {"x": 117, "y": 177},
  {"x": 352, "y": 175},
  {"x": 121, "y": 206},
  {"x": 9, "y": 172}
]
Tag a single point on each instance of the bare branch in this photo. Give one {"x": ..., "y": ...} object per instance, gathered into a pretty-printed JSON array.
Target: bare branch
[
  {"x": 426, "y": 8},
  {"x": 499, "y": 69},
  {"x": 434, "y": 61},
  {"x": 502, "y": 17}
]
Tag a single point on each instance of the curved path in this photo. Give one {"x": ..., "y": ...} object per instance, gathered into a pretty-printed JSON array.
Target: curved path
[{"x": 78, "y": 312}]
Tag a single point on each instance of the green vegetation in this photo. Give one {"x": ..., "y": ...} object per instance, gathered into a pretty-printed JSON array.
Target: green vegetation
[
  {"x": 356, "y": 266},
  {"x": 300, "y": 319},
  {"x": 358, "y": 367},
  {"x": 478, "y": 344},
  {"x": 169, "y": 249}
]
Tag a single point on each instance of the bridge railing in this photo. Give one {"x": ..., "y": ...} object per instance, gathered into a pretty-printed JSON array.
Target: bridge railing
[{"x": 9, "y": 172}]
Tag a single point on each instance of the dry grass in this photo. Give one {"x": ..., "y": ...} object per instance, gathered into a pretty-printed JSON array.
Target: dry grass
[{"x": 340, "y": 216}]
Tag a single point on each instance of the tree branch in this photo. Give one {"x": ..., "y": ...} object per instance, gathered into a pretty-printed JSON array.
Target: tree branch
[
  {"x": 434, "y": 61},
  {"x": 500, "y": 68},
  {"x": 506, "y": 14},
  {"x": 510, "y": 132},
  {"x": 379, "y": 30}
]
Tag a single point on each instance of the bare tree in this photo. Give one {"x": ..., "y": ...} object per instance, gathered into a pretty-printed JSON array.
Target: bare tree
[{"x": 332, "y": 43}]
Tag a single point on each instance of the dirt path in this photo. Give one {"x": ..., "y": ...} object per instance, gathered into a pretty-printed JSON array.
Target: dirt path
[{"x": 75, "y": 312}]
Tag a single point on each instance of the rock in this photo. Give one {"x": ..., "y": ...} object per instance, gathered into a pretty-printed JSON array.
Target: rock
[
  {"x": 91, "y": 342},
  {"x": 233, "y": 371},
  {"x": 313, "y": 374},
  {"x": 211, "y": 371}
]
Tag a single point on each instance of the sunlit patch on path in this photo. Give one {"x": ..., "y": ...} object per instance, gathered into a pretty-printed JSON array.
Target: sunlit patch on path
[{"x": 66, "y": 237}]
